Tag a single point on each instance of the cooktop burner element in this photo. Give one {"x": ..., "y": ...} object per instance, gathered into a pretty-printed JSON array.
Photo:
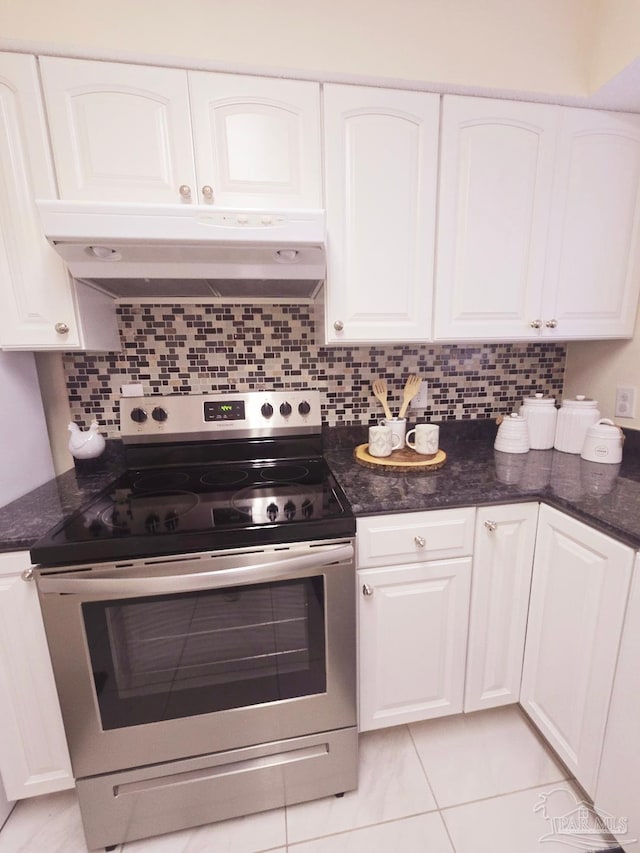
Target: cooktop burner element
[{"x": 224, "y": 481}]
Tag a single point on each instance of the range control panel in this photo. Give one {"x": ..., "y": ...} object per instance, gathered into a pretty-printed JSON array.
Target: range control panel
[{"x": 191, "y": 417}]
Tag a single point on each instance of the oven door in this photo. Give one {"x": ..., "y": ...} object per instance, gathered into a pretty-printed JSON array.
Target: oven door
[{"x": 166, "y": 658}]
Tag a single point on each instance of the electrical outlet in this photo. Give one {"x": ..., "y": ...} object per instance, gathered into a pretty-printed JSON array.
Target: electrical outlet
[
  {"x": 421, "y": 400},
  {"x": 625, "y": 401}
]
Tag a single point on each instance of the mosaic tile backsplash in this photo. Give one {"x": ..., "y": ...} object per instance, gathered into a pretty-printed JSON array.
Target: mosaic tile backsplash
[{"x": 216, "y": 348}]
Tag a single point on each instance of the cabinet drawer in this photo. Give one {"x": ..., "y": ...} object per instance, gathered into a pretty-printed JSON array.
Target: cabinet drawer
[{"x": 415, "y": 536}]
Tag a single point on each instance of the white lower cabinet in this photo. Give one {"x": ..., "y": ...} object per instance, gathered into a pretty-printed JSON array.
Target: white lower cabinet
[
  {"x": 413, "y": 637},
  {"x": 502, "y": 563},
  {"x": 578, "y": 597},
  {"x": 619, "y": 779},
  {"x": 34, "y": 758},
  {"x": 413, "y": 609}
]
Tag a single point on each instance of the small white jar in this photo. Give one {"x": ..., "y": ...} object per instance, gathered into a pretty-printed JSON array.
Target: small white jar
[
  {"x": 574, "y": 419},
  {"x": 603, "y": 443},
  {"x": 513, "y": 435},
  {"x": 541, "y": 415}
]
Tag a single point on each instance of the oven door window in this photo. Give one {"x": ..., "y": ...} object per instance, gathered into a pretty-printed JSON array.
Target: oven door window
[{"x": 171, "y": 656}]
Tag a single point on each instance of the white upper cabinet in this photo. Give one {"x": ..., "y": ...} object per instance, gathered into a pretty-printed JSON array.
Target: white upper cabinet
[
  {"x": 496, "y": 179},
  {"x": 128, "y": 133},
  {"x": 538, "y": 223},
  {"x": 593, "y": 256},
  {"x": 381, "y": 150},
  {"x": 119, "y": 132},
  {"x": 42, "y": 308},
  {"x": 257, "y": 140}
]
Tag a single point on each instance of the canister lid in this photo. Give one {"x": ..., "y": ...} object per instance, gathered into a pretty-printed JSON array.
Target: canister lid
[
  {"x": 539, "y": 400},
  {"x": 580, "y": 402}
]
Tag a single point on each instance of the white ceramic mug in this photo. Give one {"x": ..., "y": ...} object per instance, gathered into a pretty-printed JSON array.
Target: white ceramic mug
[
  {"x": 380, "y": 441},
  {"x": 398, "y": 428},
  {"x": 426, "y": 439}
]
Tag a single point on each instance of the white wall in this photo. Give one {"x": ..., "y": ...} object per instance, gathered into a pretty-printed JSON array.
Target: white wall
[
  {"x": 617, "y": 39},
  {"x": 534, "y": 45},
  {"x": 595, "y": 368},
  {"x": 25, "y": 457}
]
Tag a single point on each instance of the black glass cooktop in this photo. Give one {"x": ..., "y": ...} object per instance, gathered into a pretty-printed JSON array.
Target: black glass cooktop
[{"x": 176, "y": 509}]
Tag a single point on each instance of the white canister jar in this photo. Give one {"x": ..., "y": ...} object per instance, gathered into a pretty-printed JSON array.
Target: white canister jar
[
  {"x": 541, "y": 415},
  {"x": 603, "y": 442},
  {"x": 574, "y": 419}
]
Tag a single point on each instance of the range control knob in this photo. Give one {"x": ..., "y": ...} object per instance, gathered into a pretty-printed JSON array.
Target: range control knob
[
  {"x": 267, "y": 410},
  {"x": 138, "y": 415},
  {"x": 159, "y": 414},
  {"x": 285, "y": 410},
  {"x": 304, "y": 408},
  {"x": 272, "y": 512}
]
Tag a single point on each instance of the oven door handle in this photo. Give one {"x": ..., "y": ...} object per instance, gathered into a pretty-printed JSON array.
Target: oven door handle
[{"x": 119, "y": 582}]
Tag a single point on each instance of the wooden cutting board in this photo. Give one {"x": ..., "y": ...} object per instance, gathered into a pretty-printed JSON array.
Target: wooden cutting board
[{"x": 400, "y": 460}]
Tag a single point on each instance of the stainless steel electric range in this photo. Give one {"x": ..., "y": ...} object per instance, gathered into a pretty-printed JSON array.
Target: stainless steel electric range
[{"x": 200, "y": 615}]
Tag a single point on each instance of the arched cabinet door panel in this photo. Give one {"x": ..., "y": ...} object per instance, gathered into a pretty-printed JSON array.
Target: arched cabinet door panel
[
  {"x": 119, "y": 132},
  {"x": 381, "y": 150},
  {"x": 593, "y": 268},
  {"x": 496, "y": 179},
  {"x": 42, "y": 308},
  {"x": 257, "y": 140}
]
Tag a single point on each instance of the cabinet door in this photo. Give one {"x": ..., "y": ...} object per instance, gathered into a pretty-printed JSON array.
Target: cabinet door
[
  {"x": 381, "y": 149},
  {"x": 33, "y": 749},
  {"x": 412, "y": 641},
  {"x": 502, "y": 566},
  {"x": 619, "y": 778},
  {"x": 34, "y": 286},
  {"x": 257, "y": 140},
  {"x": 119, "y": 132},
  {"x": 496, "y": 175},
  {"x": 593, "y": 271},
  {"x": 578, "y": 597}
]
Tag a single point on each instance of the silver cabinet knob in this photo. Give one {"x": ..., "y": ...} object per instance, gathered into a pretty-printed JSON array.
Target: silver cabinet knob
[
  {"x": 535, "y": 324},
  {"x": 207, "y": 193},
  {"x": 551, "y": 324},
  {"x": 338, "y": 325},
  {"x": 490, "y": 525},
  {"x": 27, "y": 575},
  {"x": 61, "y": 328},
  {"x": 420, "y": 541},
  {"x": 185, "y": 192},
  {"x": 366, "y": 589}
]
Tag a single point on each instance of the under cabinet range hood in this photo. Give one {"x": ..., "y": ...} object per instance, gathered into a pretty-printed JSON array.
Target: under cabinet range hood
[{"x": 177, "y": 251}]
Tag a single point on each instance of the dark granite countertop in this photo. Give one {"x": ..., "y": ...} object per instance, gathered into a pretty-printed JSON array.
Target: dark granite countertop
[
  {"x": 604, "y": 496},
  {"x": 27, "y": 519}
]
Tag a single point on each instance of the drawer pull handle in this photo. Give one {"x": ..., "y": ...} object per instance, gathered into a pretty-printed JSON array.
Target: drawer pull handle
[
  {"x": 490, "y": 525},
  {"x": 366, "y": 589},
  {"x": 420, "y": 541}
]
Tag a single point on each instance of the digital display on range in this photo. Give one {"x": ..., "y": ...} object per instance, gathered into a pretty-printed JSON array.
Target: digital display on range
[{"x": 230, "y": 410}]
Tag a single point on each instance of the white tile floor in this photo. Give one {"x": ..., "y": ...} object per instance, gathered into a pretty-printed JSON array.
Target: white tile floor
[{"x": 464, "y": 784}]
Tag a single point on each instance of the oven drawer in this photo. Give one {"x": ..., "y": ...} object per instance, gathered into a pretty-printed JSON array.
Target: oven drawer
[
  {"x": 385, "y": 540},
  {"x": 123, "y": 806}
]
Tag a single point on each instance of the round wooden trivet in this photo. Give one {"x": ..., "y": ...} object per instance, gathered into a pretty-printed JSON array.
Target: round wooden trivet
[{"x": 400, "y": 460}]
